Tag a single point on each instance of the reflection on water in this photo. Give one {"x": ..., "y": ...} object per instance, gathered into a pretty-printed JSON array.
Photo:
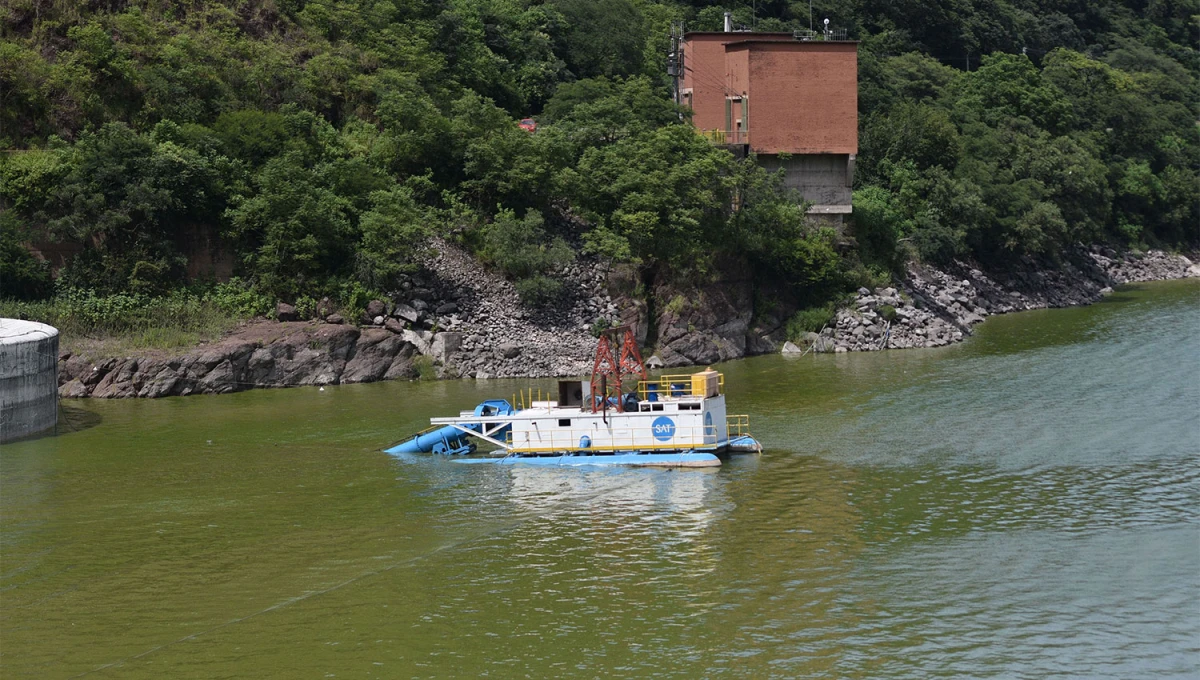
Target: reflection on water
[
  {"x": 74, "y": 418},
  {"x": 1022, "y": 505}
]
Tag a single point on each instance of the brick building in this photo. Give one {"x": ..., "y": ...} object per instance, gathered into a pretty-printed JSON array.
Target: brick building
[{"x": 792, "y": 102}]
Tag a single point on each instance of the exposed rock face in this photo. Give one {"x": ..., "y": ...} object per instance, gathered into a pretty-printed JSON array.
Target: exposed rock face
[
  {"x": 406, "y": 313},
  {"x": 376, "y": 308},
  {"x": 496, "y": 335},
  {"x": 472, "y": 323},
  {"x": 707, "y": 325},
  {"x": 713, "y": 322},
  {"x": 939, "y": 307},
  {"x": 260, "y": 355}
]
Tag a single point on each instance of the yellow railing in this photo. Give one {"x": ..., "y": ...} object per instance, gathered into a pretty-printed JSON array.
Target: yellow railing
[
  {"x": 625, "y": 438},
  {"x": 677, "y": 385},
  {"x": 726, "y": 136},
  {"x": 737, "y": 425},
  {"x": 616, "y": 439}
]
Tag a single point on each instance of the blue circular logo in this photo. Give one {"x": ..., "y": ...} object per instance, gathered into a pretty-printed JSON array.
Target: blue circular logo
[
  {"x": 708, "y": 423},
  {"x": 663, "y": 428}
]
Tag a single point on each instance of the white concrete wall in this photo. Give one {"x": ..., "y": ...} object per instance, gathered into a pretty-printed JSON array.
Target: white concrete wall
[{"x": 28, "y": 378}]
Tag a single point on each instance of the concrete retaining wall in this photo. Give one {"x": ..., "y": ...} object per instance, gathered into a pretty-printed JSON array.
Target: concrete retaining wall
[
  {"x": 823, "y": 179},
  {"x": 28, "y": 378}
]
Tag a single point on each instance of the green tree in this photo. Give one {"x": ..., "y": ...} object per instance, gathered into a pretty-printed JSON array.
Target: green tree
[
  {"x": 126, "y": 197},
  {"x": 602, "y": 37},
  {"x": 658, "y": 196},
  {"x": 525, "y": 253},
  {"x": 395, "y": 233},
  {"x": 1009, "y": 86},
  {"x": 24, "y": 276}
]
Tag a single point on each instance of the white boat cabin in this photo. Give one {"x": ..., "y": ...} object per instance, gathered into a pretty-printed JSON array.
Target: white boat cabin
[{"x": 673, "y": 413}]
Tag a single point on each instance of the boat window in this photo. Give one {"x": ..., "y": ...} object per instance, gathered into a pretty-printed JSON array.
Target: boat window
[
  {"x": 656, "y": 407},
  {"x": 644, "y": 407},
  {"x": 564, "y": 422},
  {"x": 689, "y": 407}
]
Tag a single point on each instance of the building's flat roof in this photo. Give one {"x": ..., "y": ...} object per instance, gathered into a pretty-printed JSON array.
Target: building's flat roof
[
  {"x": 16, "y": 331},
  {"x": 752, "y": 36},
  {"x": 787, "y": 33},
  {"x": 735, "y": 43}
]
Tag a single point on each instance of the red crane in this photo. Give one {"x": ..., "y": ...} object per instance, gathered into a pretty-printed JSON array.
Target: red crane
[{"x": 611, "y": 370}]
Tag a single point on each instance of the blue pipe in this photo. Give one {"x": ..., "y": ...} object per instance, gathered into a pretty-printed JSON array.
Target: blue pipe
[
  {"x": 451, "y": 440},
  {"x": 447, "y": 437}
]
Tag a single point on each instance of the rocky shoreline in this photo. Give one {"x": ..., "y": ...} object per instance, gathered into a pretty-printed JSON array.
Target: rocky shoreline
[
  {"x": 458, "y": 320},
  {"x": 934, "y": 307}
]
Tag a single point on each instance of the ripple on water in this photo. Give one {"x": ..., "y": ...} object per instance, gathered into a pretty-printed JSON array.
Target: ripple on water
[{"x": 1023, "y": 505}]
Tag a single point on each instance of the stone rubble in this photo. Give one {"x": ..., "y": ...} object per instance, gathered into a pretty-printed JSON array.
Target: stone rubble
[
  {"x": 933, "y": 308},
  {"x": 499, "y": 336}
]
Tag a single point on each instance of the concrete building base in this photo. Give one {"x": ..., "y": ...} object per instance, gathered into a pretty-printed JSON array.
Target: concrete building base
[{"x": 824, "y": 180}]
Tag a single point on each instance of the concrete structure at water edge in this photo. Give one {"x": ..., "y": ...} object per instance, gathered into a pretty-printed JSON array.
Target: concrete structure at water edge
[
  {"x": 791, "y": 99},
  {"x": 28, "y": 378}
]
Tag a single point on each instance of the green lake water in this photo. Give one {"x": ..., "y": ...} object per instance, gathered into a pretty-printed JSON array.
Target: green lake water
[{"x": 1024, "y": 504}]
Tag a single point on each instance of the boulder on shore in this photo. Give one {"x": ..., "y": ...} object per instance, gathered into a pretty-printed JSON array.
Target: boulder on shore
[
  {"x": 286, "y": 312},
  {"x": 262, "y": 354},
  {"x": 376, "y": 308}
]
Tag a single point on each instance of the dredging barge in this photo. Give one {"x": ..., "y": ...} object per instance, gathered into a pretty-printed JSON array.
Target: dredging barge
[{"x": 670, "y": 421}]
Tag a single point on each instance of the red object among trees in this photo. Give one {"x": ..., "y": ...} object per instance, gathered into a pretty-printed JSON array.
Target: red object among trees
[{"x": 528, "y": 125}]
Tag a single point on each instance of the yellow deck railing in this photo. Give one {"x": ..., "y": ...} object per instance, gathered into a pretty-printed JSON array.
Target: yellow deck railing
[
  {"x": 678, "y": 385},
  {"x": 737, "y": 425},
  {"x": 717, "y": 136},
  {"x": 625, "y": 438},
  {"x": 622, "y": 439}
]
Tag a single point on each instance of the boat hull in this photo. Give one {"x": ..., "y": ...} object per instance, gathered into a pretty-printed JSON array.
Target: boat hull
[{"x": 691, "y": 459}]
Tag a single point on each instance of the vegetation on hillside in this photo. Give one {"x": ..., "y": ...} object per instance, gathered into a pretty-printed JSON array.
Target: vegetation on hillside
[{"x": 324, "y": 141}]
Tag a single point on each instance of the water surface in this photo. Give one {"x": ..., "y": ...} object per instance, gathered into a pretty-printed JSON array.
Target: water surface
[{"x": 1021, "y": 505}]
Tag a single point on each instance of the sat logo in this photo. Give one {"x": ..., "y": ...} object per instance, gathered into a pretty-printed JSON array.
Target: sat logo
[{"x": 663, "y": 428}]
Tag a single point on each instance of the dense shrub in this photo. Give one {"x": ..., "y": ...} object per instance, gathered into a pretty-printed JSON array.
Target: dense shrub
[
  {"x": 23, "y": 276},
  {"x": 525, "y": 253},
  {"x": 810, "y": 320}
]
